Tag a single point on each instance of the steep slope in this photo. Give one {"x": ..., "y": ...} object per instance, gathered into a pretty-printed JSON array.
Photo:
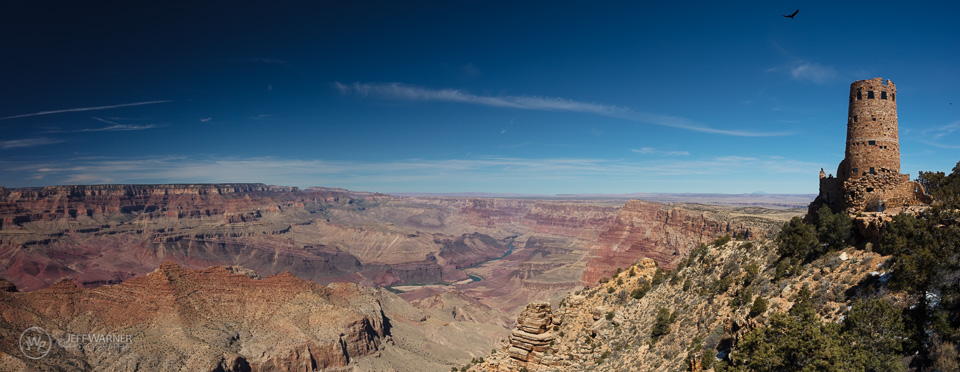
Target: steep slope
[
  {"x": 706, "y": 305},
  {"x": 197, "y": 320},
  {"x": 666, "y": 234}
]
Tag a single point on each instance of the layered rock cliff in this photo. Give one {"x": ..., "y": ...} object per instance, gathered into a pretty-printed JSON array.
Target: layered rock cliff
[
  {"x": 202, "y": 320},
  {"x": 661, "y": 232}
]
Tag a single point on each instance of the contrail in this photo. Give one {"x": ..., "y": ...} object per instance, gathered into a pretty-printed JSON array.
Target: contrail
[{"x": 83, "y": 109}]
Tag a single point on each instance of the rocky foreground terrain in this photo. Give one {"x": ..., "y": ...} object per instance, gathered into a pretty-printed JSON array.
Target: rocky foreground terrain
[
  {"x": 182, "y": 319},
  {"x": 708, "y": 302}
]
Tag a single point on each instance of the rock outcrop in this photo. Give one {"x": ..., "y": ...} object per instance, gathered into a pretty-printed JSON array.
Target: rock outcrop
[
  {"x": 7, "y": 286},
  {"x": 618, "y": 326},
  {"x": 217, "y": 318},
  {"x": 533, "y": 335}
]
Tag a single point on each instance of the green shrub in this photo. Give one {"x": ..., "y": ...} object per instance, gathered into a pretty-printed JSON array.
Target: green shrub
[
  {"x": 945, "y": 189},
  {"x": 709, "y": 356},
  {"x": 698, "y": 253},
  {"x": 604, "y": 356},
  {"x": 661, "y": 325},
  {"x": 875, "y": 330},
  {"x": 723, "y": 284},
  {"x": 721, "y": 241},
  {"x": 751, "y": 272},
  {"x": 783, "y": 269},
  {"x": 759, "y": 307},
  {"x": 870, "y": 339},
  {"x": 833, "y": 229},
  {"x": 742, "y": 298},
  {"x": 658, "y": 277},
  {"x": 640, "y": 291},
  {"x": 798, "y": 239}
]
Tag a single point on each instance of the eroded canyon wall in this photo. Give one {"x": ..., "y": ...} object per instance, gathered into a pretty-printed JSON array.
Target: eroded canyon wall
[
  {"x": 203, "y": 320},
  {"x": 663, "y": 233}
]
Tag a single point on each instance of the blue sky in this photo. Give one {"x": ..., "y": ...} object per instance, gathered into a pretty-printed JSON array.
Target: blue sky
[{"x": 472, "y": 96}]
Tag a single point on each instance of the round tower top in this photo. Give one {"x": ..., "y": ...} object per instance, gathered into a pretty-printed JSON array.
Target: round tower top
[{"x": 874, "y": 84}]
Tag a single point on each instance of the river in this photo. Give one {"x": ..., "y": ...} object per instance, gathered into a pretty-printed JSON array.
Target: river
[{"x": 473, "y": 278}]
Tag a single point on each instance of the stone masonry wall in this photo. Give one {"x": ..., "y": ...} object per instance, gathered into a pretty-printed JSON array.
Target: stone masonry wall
[
  {"x": 873, "y": 142},
  {"x": 868, "y": 179}
]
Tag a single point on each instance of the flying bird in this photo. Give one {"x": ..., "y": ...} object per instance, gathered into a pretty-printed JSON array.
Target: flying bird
[{"x": 792, "y": 15}]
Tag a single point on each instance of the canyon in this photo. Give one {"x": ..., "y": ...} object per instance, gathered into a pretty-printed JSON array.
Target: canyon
[{"x": 439, "y": 265}]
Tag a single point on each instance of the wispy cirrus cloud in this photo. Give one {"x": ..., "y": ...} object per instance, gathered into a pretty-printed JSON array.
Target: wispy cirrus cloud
[
  {"x": 935, "y": 136},
  {"x": 414, "y": 93},
  {"x": 116, "y": 127},
  {"x": 113, "y": 127},
  {"x": 807, "y": 71},
  {"x": 801, "y": 69},
  {"x": 81, "y": 109},
  {"x": 481, "y": 173},
  {"x": 28, "y": 142},
  {"x": 813, "y": 72},
  {"x": 943, "y": 130},
  {"x": 400, "y": 91},
  {"x": 653, "y": 151}
]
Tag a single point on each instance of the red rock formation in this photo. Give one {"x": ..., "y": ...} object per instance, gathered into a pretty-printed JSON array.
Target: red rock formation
[
  {"x": 235, "y": 202},
  {"x": 470, "y": 249},
  {"x": 105, "y": 234},
  {"x": 491, "y": 212},
  {"x": 570, "y": 220},
  {"x": 183, "y": 319},
  {"x": 645, "y": 229},
  {"x": 7, "y": 286}
]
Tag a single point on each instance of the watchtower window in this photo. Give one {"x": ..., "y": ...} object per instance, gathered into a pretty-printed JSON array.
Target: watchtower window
[
  {"x": 872, "y": 171},
  {"x": 869, "y": 94},
  {"x": 854, "y": 170},
  {"x": 854, "y": 118},
  {"x": 883, "y": 95},
  {"x": 874, "y": 119},
  {"x": 859, "y": 95},
  {"x": 872, "y": 143},
  {"x": 893, "y": 96}
]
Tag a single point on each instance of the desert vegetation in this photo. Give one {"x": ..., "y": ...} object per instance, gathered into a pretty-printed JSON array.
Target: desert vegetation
[{"x": 817, "y": 296}]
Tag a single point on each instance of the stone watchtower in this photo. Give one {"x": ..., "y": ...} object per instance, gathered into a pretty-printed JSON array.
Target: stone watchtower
[
  {"x": 873, "y": 142},
  {"x": 868, "y": 179}
]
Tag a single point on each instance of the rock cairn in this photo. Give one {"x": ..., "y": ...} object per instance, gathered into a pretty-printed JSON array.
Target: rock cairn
[{"x": 533, "y": 336}]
